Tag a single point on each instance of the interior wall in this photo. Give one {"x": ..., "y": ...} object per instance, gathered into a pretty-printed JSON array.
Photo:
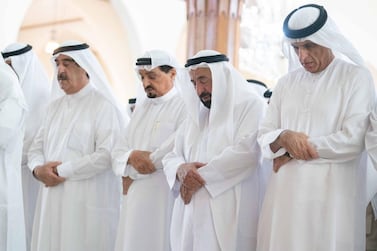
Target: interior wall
[
  {"x": 11, "y": 17},
  {"x": 94, "y": 22},
  {"x": 121, "y": 30},
  {"x": 261, "y": 29},
  {"x": 118, "y": 32}
]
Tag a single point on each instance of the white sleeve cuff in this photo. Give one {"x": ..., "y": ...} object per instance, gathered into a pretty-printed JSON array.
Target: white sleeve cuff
[
  {"x": 33, "y": 164},
  {"x": 65, "y": 170},
  {"x": 267, "y": 140}
]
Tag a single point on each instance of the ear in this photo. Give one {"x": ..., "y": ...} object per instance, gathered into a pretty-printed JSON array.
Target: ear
[{"x": 173, "y": 73}]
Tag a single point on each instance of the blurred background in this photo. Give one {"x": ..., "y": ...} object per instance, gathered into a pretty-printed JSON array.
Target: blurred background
[{"x": 119, "y": 31}]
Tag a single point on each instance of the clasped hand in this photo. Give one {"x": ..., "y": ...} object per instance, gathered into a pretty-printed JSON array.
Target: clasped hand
[
  {"x": 141, "y": 161},
  {"x": 190, "y": 179},
  {"x": 126, "y": 183},
  {"x": 48, "y": 174},
  {"x": 297, "y": 146}
]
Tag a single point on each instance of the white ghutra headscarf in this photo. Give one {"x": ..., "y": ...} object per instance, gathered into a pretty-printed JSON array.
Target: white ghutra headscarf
[
  {"x": 229, "y": 88},
  {"x": 34, "y": 83},
  {"x": 83, "y": 56},
  {"x": 8, "y": 89},
  {"x": 31, "y": 73},
  {"x": 150, "y": 60},
  {"x": 311, "y": 22}
]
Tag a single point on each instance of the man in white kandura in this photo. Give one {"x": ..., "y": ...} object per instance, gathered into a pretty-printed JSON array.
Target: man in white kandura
[
  {"x": 371, "y": 212},
  {"x": 79, "y": 198},
  {"x": 215, "y": 166},
  {"x": 314, "y": 131},
  {"x": 13, "y": 110},
  {"x": 147, "y": 201},
  {"x": 36, "y": 88}
]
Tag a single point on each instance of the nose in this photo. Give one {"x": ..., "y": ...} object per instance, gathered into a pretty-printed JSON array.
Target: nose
[
  {"x": 145, "y": 82},
  {"x": 60, "y": 68},
  {"x": 302, "y": 53},
  {"x": 200, "y": 88}
]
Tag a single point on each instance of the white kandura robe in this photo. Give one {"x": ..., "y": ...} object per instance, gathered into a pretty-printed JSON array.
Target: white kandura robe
[
  {"x": 222, "y": 215},
  {"x": 81, "y": 213},
  {"x": 319, "y": 204},
  {"x": 12, "y": 225},
  {"x": 37, "y": 96},
  {"x": 146, "y": 209}
]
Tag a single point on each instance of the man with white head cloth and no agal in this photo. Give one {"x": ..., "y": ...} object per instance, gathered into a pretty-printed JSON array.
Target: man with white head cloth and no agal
[
  {"x": 79, "y": 197},
  {"x": 215, "y": 165},
  {"x": 314, "y": 131}
]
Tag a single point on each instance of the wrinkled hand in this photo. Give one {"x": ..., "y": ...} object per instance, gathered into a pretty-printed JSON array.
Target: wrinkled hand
[
  {"x": 126, "y": 182},
  {"x": 141, "y": 161},
  {"x": 190, "y": 179},
  {"x": 298, "y": 145},
  {"x": 48, "y": 174},
  {"x": 280, "y": 161},
  {"x": 186, "y": 194}
]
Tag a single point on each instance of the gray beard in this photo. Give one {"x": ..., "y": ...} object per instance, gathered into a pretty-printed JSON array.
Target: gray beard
[{"x": 206, "y": 103}]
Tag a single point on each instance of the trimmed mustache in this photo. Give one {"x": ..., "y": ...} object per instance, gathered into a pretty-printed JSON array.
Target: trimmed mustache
[
  {"x": 149, "y": 87},
  {"x": 205, "y": 94},
  {"x": 62, "y": 76}
]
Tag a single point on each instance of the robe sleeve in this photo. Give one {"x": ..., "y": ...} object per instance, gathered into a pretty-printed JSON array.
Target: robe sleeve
[
  {"x": 270, "y": 129},
  {"x": 156, "y": 157},
  {"x": 265, "y": 142},
  {"x": 371, "y": 137},
  {"x": 11, "y": 114},
  {"x": 35, "y": 153},
  {"x": 120, "y": 155},
  {"x": 240, "y": 160},
  {"x": 167, "y": 146},
  {"x": 106, "y": 130},
  {"x": 348, "y": 142},
  {"x": 174, "y": 159}
]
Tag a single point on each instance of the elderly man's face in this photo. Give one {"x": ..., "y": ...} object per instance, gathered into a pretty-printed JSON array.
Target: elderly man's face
[
  {"x": 72, "y": 78},
  {"x": 313, "y": 57},
  {"x": 156, "y": 82},
  {"x": 202, "y": 81}
]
